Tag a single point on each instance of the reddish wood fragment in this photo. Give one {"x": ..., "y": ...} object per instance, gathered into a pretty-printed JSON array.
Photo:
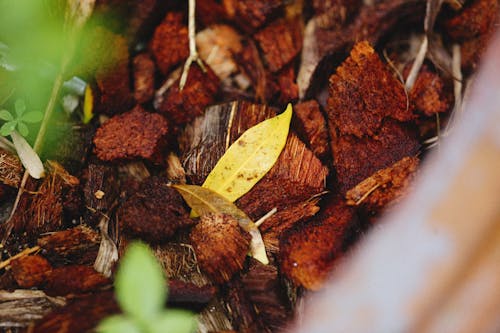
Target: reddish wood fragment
[
  {"x": 144, "y": 78},
  {"x": 221, "y": 246},
  {"x": 386, "y": 186},
  {"x": 183, "y": 106},
  {"x": 80, "y": 315},
  {"x": 244, "y": 317},
  {"x": 142, "y": 16},
  {"x": 134, "y": 134},
  {"x": 154, "y": 213},
  {"x": 249, "y": 14},
  {"x": 280, "y": 42},
  {"x": 76, "y": 245},
  {"x": 77, "y": 279},
  {"x": 30, "y": 271},
  {"x": 288, "y": 89},
  {"x": 311, "y": 126},
  {"x": 356, "y": 159},
  {"x": 170, "y": 42},
  {"x": 186, "y": 293},
  {"x": 429, "y": 94},
  {"x": 363, "y": 92},
  {"x": 365, "y": 107},
  {"x": 309, "y": 251}
]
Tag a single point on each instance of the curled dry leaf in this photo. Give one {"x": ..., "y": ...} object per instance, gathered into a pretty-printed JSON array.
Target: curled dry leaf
[
  {"x": 250, "y": 157},
  {"x": 205, "y": 201}
]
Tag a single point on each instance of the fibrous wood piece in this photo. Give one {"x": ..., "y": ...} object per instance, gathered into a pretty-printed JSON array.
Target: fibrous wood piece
[
  {"x": 475, "y": 19},
  {"x": 309, "y": 251},
  {"x": 10, "y": 169},
  {"x": 170, "y": 42},
  {"x": 80, "y": 315},
  {"x": 44, "y": 212},
  {"x": 312, "y": 127},
  {"x": 154, "y": 213},
  {"x": 188, "y": 294},
  {"x": 221, "y": 246},
  {"x": 76, "y": 245},
  {"x": 263, "y": 289},
  {"x": 386, "y": 186},
  {"x": 134, "y": 134},
  {"x": 182, "y": 106},
  {"x": 323, "y": 6},
  {"x": 280, "y": 42}
]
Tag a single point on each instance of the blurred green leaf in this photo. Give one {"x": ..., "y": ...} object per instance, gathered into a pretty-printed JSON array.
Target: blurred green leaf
[
  {"x": 23, "y": 129},
  {"x": 32, "y": 117},
  {"x": 117, "y": 324},
  {"x": 7, "y": 128},
  {"x": 177, "y": 321},
  {"x": 20, "y": 107},
  {"x": 5, "y": 115},
  {"x": 140, "y": 285}
]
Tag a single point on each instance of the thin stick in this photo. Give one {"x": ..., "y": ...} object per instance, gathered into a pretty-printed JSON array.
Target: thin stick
[
  {"x": 265, "y": 217},
  {"x": 23, "y": 253},
  {"x": 193, "y": 53}
]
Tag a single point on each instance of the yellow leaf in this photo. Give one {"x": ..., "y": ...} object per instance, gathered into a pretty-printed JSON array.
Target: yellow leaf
[
  {"x": 203, "y": 201},
  {"x": 250, "y": 157},
  {"x": 88, "y": 103}
]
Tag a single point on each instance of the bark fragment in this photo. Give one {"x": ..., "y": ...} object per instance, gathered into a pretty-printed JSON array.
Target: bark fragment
[
  {"x": 169, "y": 44},
  {"x": 74, "y": 279},
  {"x": 134, "y": 134},
  {"x": 280, "y": 42},
  {"x": 183, "y": 106},
  {"x": 250, "y": 15}
]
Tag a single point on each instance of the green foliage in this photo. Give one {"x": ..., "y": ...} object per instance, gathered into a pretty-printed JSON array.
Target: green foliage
[
  {"x": 141, "y": 291},
  {"x": 18, "y": 120}
]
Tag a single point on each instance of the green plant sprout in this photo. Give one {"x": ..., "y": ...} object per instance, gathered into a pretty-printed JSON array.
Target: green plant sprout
[
  {"x": 141, "y": 292},
  {"x": 19, "y": 120}
]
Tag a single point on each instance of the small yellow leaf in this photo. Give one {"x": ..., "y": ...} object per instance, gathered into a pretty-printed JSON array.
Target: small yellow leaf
[
  {"x": 203, "y": 201},
  {"x": 88, "y": 103},
  {"x": 250, "y": 157}
]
